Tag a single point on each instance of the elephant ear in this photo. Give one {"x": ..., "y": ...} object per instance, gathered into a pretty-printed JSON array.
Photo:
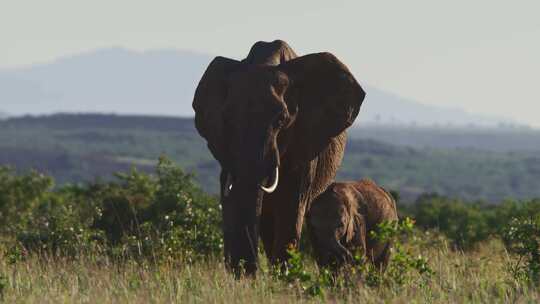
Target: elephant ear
[
  {"x": 208, "y": 104},
  {"x": 327, "y": 96}
]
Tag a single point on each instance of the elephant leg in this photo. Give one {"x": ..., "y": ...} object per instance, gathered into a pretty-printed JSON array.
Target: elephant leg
[
  {"x": 288, "y": 216},
  {"x": 266, "y": 229},
  {"x": 287, "y": 232}
]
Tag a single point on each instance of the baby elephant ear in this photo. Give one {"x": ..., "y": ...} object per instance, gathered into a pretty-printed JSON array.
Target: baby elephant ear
[
  {"x": 208, "y": 104},
  {"x": 327, "y": 94}
]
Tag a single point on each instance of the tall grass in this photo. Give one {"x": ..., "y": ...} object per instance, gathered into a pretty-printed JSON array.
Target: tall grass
[
  {"x": 479, "y": 276},
  {"x": 157, "y": 239}
]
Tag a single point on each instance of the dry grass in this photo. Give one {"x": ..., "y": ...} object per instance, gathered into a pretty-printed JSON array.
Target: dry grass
[{"x": 475, "y": 277}]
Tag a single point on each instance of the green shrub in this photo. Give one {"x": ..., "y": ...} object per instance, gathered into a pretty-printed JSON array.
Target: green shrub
[
  {"x": 403, "y": 262},
  {"x": 3, "y": 285},
  {"x": 306, "y": 282},
  {"x": 522, "y": 237},
  {"x": 58, "y": 229},
  {"x": 163, "y": 215},
  {"x": 19, "y": 196},
  {"x": 465, "y": 224},
  {"x": 405, "y": 267}
]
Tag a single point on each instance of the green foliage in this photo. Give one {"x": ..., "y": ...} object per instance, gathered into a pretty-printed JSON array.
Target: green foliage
[
  {"x": 468, "y": 224},
  {"x": 296, "y": 275},
  {"x": 19, "y": 196},
  {"x": 465, "y": 224},
  {"x": 403, "y": 262},
  {"x": 59, "y": 232},
  {"x": 522, "y": 237},
  {"x": 138, "y": 215},
  {"x": 15, "y": 253},
  {"x": 468, "y": 174},
  {"x": 3, "y": 285},
  {"x": 165, "y": 215},
  {"x": 404, "y": 267}
]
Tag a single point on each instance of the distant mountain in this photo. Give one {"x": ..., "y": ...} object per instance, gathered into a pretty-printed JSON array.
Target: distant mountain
[
  {"x": 384, "y": 108},
  {"x": 3, "y": 115},
  {"x": 162, "y": 82},
  {"x": 108, "y": 81}
]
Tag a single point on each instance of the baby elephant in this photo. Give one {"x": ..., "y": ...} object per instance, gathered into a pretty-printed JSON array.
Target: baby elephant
[{"x": 341, "y": 218}]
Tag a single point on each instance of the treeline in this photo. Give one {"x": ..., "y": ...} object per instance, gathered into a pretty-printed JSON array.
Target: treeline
[
  {"x": 502, "y": 139},
  {"x": 466, "y": 224},
  {"x": 85, "y": 147},
  {"x": 169, "y": 209},
  {"x": 103, "y": 121}
]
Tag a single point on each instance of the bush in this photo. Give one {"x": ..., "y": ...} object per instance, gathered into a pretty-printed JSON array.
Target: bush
[
  {"x": 405, "y": 267},
  {"x": 57, "y": 226},
  {"x": 296, "y": 275},
  {"x": 162, "y": 215},
  {"x": 522, "y": 237},
  {"x": 465, "y": 224},
  {"x": 138, "y": 215},
  {"x": 19, "y": 196},
  {"x": 403, "y": 261}
]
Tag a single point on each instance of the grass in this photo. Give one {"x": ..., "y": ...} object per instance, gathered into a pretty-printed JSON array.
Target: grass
[{"x": 479, "y": 276}]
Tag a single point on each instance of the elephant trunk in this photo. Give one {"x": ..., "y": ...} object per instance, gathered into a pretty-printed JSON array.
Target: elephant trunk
[
  {"x": 255, "y": 173},
  {"x": 241, "y": 213}
]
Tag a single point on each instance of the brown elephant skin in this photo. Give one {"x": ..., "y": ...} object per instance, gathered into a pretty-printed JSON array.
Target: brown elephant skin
[
  {"x": 276, "y": 124},
  {"x": 341, "y": 218}
]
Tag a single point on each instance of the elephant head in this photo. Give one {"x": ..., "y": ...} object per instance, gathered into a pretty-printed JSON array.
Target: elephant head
[
  {"x": 336, "y": 227},
  {"x": 341, "y": 220},
  {"x": 257, "y": 116}
]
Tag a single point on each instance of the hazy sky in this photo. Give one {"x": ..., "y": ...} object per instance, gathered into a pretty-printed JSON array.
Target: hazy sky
[{"x": 483, "y": 56}]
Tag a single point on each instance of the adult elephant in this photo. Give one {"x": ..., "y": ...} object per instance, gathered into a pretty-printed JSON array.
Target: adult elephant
[{"x": 276, "y": 124}]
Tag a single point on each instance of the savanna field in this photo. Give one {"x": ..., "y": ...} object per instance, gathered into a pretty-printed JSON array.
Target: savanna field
[
  {"x": 156, "y": 238},
  {"x": 282, "y": 152}
]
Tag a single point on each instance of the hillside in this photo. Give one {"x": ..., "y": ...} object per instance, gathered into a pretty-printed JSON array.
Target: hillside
[
  {"x": 386, "y": 108},
  {"x": 162, "y": 82},
  {"x": 107, "y": 80},
  {"x": 75, "y": 148},
  {"x": 500, "y": 139}
]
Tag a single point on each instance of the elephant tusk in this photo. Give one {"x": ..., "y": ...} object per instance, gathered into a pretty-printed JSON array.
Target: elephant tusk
[
  {"x": 228, "y": 185},
  {"x": 274, "y": 185}
]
